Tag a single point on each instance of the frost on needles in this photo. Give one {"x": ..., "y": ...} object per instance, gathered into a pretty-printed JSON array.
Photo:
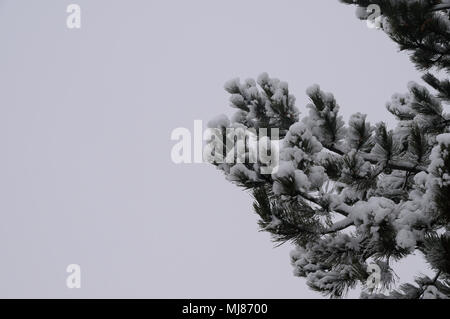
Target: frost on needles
[{"x": 352, "y": 194}]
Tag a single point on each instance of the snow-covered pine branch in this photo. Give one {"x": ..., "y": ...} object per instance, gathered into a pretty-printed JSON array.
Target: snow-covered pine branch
[
  {"x": 420, "y": 27},
  {"x": 350, "y": 195}
]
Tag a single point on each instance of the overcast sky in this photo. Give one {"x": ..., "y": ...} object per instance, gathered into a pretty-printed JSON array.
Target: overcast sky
[{"x": 85, "y": 121}]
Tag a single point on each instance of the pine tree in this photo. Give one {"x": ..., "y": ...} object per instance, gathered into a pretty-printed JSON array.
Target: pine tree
[{"x": 350, "y": 196}]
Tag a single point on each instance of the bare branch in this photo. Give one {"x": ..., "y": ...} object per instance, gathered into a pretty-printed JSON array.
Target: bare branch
[
  {"x": 442, "y": 6},
  {"x": 392, "y": 164},
  {"x": 340, "y": 225}
]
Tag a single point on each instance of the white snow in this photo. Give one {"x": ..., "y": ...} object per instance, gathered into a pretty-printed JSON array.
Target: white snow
[{"x": 219, "y": 121}]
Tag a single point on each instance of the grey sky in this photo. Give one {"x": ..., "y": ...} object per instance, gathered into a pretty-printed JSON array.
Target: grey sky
[{"x": 85, "y": 122}]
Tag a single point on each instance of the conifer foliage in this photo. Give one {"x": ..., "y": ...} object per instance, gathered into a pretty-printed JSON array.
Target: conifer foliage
[{"x": 350, "y": 195}]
